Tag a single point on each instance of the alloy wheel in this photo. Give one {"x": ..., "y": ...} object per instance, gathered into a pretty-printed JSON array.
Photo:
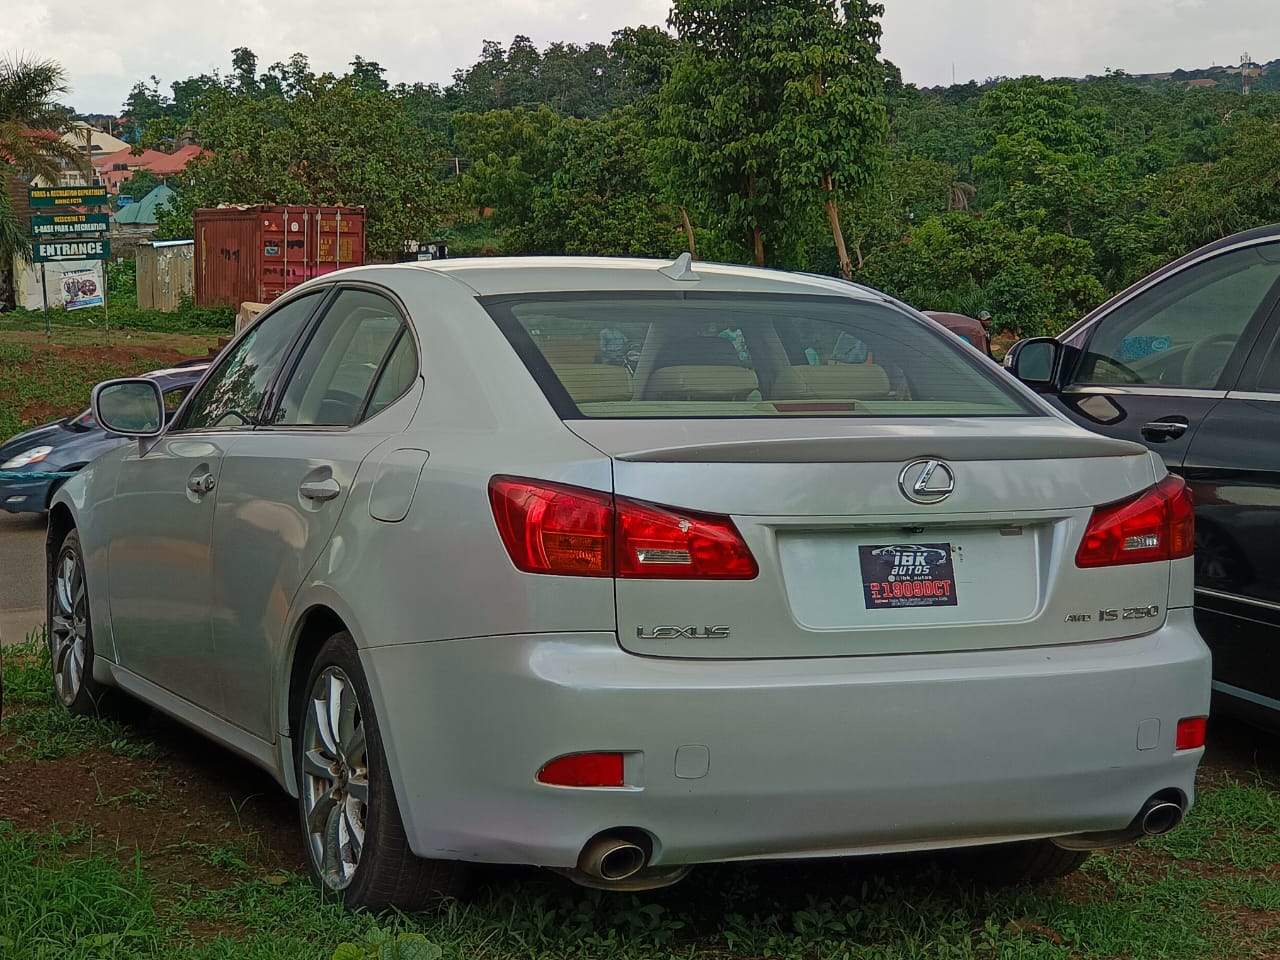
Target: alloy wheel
[
  {"x": 335, "y": 773},
  {"x": 69, "y": 626}
]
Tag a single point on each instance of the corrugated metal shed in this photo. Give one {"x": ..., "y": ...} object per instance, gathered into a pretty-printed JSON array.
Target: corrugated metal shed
[{"x": 166, "y": 274}]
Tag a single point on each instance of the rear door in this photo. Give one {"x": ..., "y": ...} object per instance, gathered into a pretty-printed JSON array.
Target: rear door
[
  {"x": 1233, "y": 467},
  {"x": 1153, "y": 367},
  {"x": 284, "y": 486}
]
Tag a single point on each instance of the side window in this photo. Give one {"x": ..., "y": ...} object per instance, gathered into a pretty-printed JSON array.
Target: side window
[
  {"x": 231, "y": 397},
  {"x": 334, "y": 376},
  {"x": 396, "y": 377},
  {"x": 1182, "y": 331}
]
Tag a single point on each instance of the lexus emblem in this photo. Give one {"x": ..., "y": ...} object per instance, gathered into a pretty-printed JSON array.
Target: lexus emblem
[{"x": 926, "y": 481}]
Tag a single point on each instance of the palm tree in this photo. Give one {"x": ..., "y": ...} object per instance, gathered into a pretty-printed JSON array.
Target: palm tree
[
  {"x": 31, "y": 144},
  {"x": 31, "y": 119}
]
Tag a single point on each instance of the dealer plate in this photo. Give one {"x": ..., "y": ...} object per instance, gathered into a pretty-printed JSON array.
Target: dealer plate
[{"x": 896, "y": 575}]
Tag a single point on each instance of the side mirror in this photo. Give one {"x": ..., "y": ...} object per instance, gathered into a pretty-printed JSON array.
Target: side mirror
[
  {"x": 130, "y": 408},
  {"x": 1035, "y": 362}
]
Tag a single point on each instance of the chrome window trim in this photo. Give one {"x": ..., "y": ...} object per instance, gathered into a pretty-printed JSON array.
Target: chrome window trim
[
  {"x": 1253, "y": 395},
  {"x": 1237, "y": 598},
  {"x": 1142, "y": 391}
]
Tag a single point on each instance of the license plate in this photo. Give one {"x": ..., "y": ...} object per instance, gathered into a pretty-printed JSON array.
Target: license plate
[{"x": 896, "y": 575}]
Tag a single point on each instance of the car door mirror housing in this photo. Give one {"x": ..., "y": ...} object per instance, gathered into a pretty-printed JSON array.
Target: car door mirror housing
[
  {"x": 130, "y": 408},
  {"x": 1035, "y": 361}
]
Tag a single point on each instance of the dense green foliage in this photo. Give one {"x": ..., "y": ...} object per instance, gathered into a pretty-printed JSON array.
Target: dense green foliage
[{"x": 772, "y": 134}]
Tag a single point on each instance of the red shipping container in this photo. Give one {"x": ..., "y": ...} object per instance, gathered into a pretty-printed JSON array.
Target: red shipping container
[{"x": 257, "y": 253}]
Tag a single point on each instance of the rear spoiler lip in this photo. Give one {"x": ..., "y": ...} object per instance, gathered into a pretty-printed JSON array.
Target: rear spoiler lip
[{"x": 891, "y": 449}]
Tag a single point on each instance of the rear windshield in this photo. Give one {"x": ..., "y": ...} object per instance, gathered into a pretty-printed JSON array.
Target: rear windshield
[{"x": 617, "y": 355}]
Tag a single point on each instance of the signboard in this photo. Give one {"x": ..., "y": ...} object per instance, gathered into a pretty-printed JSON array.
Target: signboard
[
  {"x": 69, "y": 224},
  {"x": 43, "y": 251},
  {"x": 83, "y": 288},
  {"x": 69, "y": 196}
]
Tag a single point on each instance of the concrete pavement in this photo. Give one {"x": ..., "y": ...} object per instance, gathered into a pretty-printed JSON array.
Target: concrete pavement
[{"x": 21, "y": 575}]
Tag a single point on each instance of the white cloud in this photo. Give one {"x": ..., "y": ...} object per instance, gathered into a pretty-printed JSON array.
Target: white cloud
[{"x": 416, "y": 40}]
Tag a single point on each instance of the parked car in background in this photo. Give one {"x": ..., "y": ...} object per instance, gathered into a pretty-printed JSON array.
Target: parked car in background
[
  {"x": 1187, "y": 361},
  {"x": 67, "y": 445},
  {"x": 970, "y": 330},
  {"x": 476, "y": 594}
]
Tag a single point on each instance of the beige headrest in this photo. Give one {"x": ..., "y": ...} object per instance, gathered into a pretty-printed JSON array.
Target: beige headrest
[
  {"x": 594, "y": 382},
  {"x": 698, "y": 382},
  {"x": 842, "y": 381}
]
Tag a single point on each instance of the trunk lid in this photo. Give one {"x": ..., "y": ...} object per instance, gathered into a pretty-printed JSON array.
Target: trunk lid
[{"x": 850, "y": 565}]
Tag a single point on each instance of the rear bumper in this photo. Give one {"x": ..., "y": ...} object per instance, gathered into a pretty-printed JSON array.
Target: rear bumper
[{"x": 818, "y": 757}]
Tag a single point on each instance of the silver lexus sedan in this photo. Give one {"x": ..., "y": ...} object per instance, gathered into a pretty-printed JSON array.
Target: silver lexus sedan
[{"x": 618, "y": 567}]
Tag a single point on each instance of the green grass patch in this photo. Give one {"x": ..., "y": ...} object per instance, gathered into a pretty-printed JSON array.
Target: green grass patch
[
  {"x": 41, "y": 729},
  {"x": 57, "y": 906},
  {"x": 124, "y": 314},
  {"x": 40, "y": 382}
]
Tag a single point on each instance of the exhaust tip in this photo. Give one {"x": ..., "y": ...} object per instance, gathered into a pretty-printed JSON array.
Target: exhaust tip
[
  {"x": 612, "y": 858},
  {"x": 1161, "y": 818},
  {"x": 623, "y": 861}
]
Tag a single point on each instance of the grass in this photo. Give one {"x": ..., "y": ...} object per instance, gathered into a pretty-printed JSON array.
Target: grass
[{"x": 40, "y": 381}]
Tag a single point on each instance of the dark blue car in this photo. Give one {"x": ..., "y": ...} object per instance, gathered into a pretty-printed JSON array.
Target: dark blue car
[{"x": 69, "y": 444}]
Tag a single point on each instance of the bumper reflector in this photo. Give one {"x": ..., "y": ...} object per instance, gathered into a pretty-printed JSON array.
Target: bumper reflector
[
  {"x": 583, "y": 770},
  {"x": 1191, "y": 733}
]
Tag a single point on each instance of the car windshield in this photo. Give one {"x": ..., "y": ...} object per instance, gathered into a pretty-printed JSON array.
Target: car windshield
[
  {"x": 624, "y": 355},
  {"x": 83, "y": 421}
]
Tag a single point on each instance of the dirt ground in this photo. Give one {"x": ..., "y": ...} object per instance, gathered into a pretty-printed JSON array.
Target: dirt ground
[{"x": 190, "y": 812}]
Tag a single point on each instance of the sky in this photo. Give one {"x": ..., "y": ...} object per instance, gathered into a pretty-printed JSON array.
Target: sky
[{"x": 106, "y": 49}]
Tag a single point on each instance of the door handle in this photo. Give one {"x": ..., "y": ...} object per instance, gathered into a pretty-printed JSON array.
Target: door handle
[
  {"x": 1158, "y": 431},
  {"x": 320, "y": 490},
  {"x": 201, "y": 484}
]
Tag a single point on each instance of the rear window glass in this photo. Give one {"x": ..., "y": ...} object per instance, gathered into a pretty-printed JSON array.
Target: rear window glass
[{"x": 622, "y": 355}]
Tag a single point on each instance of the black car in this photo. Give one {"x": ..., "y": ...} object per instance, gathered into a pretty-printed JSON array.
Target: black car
[{"x": 1187, "y": 361}]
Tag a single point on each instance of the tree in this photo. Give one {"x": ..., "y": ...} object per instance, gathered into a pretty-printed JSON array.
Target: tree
[
  {"x": 769, "y": 113},
  {"x": 337, "y": 140},
  {"x": 32, "y": 122}
]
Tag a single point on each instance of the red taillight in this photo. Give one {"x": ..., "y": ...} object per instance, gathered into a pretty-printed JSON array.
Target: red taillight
[
  {"x": 551, "y": 528},
  {"x": 1191, "y": 733},
  {"x": 569, "y": 531},
  {"x": 583, "y": 770},
  {"x": 1158, "y": 524},
  {"x": 657, "y": 542}
]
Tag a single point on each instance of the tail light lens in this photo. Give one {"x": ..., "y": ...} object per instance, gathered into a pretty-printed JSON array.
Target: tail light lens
[
  {"x": 1158, "y": 524},
  {"x": 569, "y": 531},
  {"x": 551, "y": 528}
]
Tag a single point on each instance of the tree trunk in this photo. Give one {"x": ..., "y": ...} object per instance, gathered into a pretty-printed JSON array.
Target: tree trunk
[
  {"x": 757, "y": 243},
  {"x": 833, "y": 214},
  {"x": 688, "y": 232}
]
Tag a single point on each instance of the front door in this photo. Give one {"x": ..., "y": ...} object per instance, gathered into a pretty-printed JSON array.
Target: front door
[
  {"x": 285, "y": 486},
  {"x": 160, "y": 553},
  {"x": 1154, "y": 367}
]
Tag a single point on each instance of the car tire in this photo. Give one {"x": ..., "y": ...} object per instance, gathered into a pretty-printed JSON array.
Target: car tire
[
  {"x": 357, "y": 850},
  {"x": 69, "y": 631},
  {"x": 1027, "y": 861}
]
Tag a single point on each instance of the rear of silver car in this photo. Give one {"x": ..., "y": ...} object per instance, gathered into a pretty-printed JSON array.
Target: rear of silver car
[{"x": 852, "y": 612}]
